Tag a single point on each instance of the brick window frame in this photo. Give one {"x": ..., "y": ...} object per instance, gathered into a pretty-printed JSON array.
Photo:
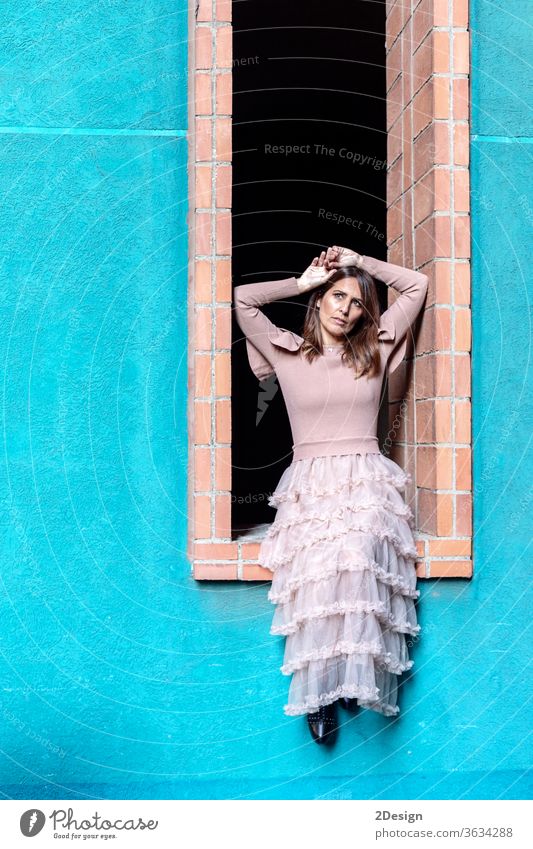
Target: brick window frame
[{"x": 428, "y": 228}]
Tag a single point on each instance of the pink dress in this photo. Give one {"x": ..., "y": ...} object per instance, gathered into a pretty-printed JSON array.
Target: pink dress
[{"x": 341, "y": 547}]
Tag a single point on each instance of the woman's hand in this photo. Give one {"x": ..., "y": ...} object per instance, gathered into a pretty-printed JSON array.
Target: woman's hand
[
  {"x": 315, "y": 275},
  {"x": 337, "y": 257}
]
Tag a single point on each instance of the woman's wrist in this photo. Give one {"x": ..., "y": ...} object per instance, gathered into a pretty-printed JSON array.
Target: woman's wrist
[
  {"x": 338, "y": 257},
  {"x": 358, "y": 260},
  {"x": 305, "y": 285}
]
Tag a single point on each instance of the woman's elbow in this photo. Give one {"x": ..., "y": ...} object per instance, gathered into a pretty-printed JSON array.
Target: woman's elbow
[
  {"x": 423, "y": 283},
  {"x": 240, "y": 298}
]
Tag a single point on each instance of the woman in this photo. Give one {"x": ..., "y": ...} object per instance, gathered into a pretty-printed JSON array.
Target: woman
[{"x": 341, "y": 546}]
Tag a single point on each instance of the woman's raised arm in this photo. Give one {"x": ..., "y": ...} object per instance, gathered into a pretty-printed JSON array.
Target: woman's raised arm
[
  {"x": 263, "y": 337},
  {"x": 412, "y": 287}
]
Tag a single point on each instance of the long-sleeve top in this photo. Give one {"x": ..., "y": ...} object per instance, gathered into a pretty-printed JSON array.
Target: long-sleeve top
[{"x": 330, "y": 411}]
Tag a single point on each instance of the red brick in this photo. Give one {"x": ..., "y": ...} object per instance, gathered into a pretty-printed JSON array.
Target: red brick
[
  {"x": 440, "y": 13},
  {"x": 224, "y": 94},
  {"x": 407, "y": 151},
  {"x": 460, "y": 100},
  {"x": 464, "y": 515},
  {"x": 394, "y": 181},
  {"x": 422, "y": 63},
  {"x": 202, "y": 422},
  {"x": 394, "y": 64},
  {"x": 441, "y": 52},
  {"x": 203, "y": 186},
  {"x": 450, "y": 547},
  {"x": 423, "y": 107},
  {"x": 441, "y": 97},
  {"x": 422, "y": 20},
  {"x": 461, "y": 144},
  {"x": 442, "y": 144},
  {"x": 434, "y": 468},
  {"x": 215, "y": 550},
  {"x": 202, "y": 282},
  {"x": 461, "y": 52},
  {"x": 425, "y": 241},
  {"x": 223, "y": 139},
  {"x": 223, "y": 328},
  {"x": 435, "y": 514},
  {"x": 203, "y": 222},
  {"x": 433, "y": 421},
  {"x": 204, "y": 52},
  {"x": 450, "y": 569},
  {"x": 203, "y": 103},
  {"x": 462, "y": 283},
  {"x": 223, "y": 233},
  {"x": 463, "y": 421},
  {"x": 408, "y": 242},
  {"x": 407, "y": 76},
  {"x": 394, "y": 23},
  {"x": 443, "y": 246},
  {"x": 462, "y": 236},
  {"x": 424, "y": 200},
  {"x": 394, "y": 103},
  {"x": 443, "y": 289},
  {"x": 396, "y": 253},
  {"x": 223, "y": 280},
  {"x": 420, "y": 569},
  {"x": 394, "y": 143},
  {"x": 203, "y": 128},
  {"x": 424, "y": 152},
  {"x": 433, "y": 376},
  {"x": 250, "y": 550},
  {"x": 461, "y": 191},
  {"x": 256, "y": 573},
  {"x": 223, "y": 515},
  {"x": 204, "y": 10},
  {"x": 394, "y": 221},
  {"x": 223, "y": 373},
  {"x": 463, "y": 470},
  {"x": 202, "y": 376},
  {"x": 202, "y": 516},
  {"x": 460, "y": 13},
  {"x": 224, "y": 186},
  {"x": 215, "y": 571},
  {"x": 442, "y": 190},
  {"x": 462, "y": 330},
  {"x": 224, "y": 48},
  {"x": 462, "y": 375},
  {"x": 420, "y": 545},
  {"x": 223, "y": 10},
  {"x": 202, "y": 469},
  {"x": 223, "y": 420}
]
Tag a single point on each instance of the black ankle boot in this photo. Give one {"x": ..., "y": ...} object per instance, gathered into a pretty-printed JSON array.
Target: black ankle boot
[
  {"x": 349, "y": 704},
  {"x": 323, "y": 724}
]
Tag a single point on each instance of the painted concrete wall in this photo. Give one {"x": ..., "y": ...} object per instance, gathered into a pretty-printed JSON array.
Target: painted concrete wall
[
  {"x": 93, "y": 266},
  {"x": 150, "y": 684}
]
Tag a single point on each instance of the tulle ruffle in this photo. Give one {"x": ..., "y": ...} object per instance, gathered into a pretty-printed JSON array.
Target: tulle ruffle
[
  {"x": 336, "y": 473},
  {"x": 342, "y": 554}
]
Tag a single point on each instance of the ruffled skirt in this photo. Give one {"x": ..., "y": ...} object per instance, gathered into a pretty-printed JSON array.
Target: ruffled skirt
[{"x": 342, "y": 553}]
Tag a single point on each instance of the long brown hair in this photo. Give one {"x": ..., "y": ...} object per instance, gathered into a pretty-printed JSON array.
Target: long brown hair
[{"x": 361, "y": 349}]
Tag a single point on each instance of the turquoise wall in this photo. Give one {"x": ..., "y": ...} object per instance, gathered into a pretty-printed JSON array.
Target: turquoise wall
[
  {"x": 93, "y": 290},
  {"x": 122, "y": 677}
]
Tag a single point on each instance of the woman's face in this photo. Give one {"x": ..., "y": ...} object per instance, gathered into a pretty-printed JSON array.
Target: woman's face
[{"x": 339, "y": 310}]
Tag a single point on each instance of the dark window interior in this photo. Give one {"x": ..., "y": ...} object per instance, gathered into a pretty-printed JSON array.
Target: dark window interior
[{"x": 310, "y": 74}]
